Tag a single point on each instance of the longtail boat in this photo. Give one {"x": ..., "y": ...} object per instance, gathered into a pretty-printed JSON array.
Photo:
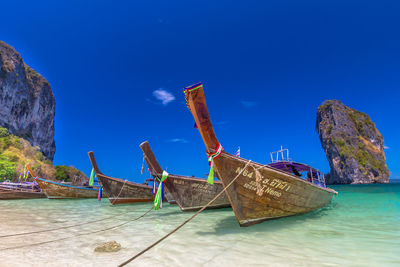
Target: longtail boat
[
  {"x": 121, "y": 191},
  {"x": 189, "y": 193},
  {"x": 258, "y": 192},
  {"x": 57, "y": 190},
  {"x": 25, "y": 190}
]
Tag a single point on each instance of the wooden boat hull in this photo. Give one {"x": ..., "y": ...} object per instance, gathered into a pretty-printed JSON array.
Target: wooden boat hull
[
  {"x": 260, "y": 194},
  {"x": 54, "y": 190},
  {"x": 169, "y": 197},
  {"x": 8, "y": 193},
  {"x": 123, "y": 192},
  {"x": 192, "y": 194},
  {"x": 189, "y": 193}
]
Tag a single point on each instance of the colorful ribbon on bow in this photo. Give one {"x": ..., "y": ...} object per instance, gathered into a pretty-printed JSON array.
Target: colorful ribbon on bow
[
  {"x": 100, "y": 194},
  {"x": 91, "y": 180},
  {"x": 211, "y": 157},
  {"x": 189, "y": 89},
  {"x": 154, "y": 186},
  {"x": 160, "y": 192}
]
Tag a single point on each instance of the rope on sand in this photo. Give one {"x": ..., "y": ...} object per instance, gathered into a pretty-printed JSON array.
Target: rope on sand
[
  {"x": 185, "y": 222},
  {"x": 71, "y": 226},
  {"x": 82, "y": 234},
  {"x": 65, "y": 227}
]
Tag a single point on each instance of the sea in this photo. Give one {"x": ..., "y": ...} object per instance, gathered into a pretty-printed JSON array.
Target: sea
[{"x": 361, "y": 227}]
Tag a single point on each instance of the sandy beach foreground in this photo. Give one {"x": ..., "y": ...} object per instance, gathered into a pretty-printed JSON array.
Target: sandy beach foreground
[{"x": 361, "y": 227}]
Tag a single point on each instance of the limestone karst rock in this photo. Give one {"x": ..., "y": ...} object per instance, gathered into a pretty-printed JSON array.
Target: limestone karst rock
[
  {"x": 27, "y": 104},
  {"x": 353, "y": 145}
]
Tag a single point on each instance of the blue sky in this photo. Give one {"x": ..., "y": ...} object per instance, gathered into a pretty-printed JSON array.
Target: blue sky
[{"x": 117, "y": 69}]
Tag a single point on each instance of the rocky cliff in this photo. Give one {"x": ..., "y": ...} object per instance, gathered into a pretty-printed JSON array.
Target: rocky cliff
[
  {"x": 353, "y": 145},
  {"x": 27, "y": 104}
]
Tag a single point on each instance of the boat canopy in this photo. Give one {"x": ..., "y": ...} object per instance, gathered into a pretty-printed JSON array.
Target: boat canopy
[
  {"x": 282, "y": 163},
  {"x": 299, "y": 167}
]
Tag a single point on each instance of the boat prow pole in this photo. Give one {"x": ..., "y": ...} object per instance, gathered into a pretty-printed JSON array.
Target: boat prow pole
[
  {"x": 150, "y": 159},
  {"x": 198, "y": 107},
  {"x": 94, "y": 163}
]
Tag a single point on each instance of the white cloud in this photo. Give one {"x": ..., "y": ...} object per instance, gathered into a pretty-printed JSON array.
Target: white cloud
[
  {"x": 177, "y": 140},
  {"x": 386, "y": 147},
  {"x": 248, "y": 104},
  {"x": 164, "y": 96}
]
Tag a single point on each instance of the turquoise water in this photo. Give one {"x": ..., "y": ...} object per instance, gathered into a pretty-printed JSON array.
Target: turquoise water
[{"x": 360, "y": 228}]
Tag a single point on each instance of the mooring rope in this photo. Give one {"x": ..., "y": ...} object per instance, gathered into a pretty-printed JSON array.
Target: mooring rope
[
  {"x": 186, "y": 221},
  {"x": 82, "y": 234},
  {"x": 65, "y": 227},
  {"x": 120, "y": 191},
  {"x": 70, "y": 226}
]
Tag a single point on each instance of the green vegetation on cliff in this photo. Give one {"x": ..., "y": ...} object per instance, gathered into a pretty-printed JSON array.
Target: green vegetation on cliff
[
  {"x": 66, "y": 173},
  {"x": 7, "y": 169},
  {"x": 16, "y": 152}
]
